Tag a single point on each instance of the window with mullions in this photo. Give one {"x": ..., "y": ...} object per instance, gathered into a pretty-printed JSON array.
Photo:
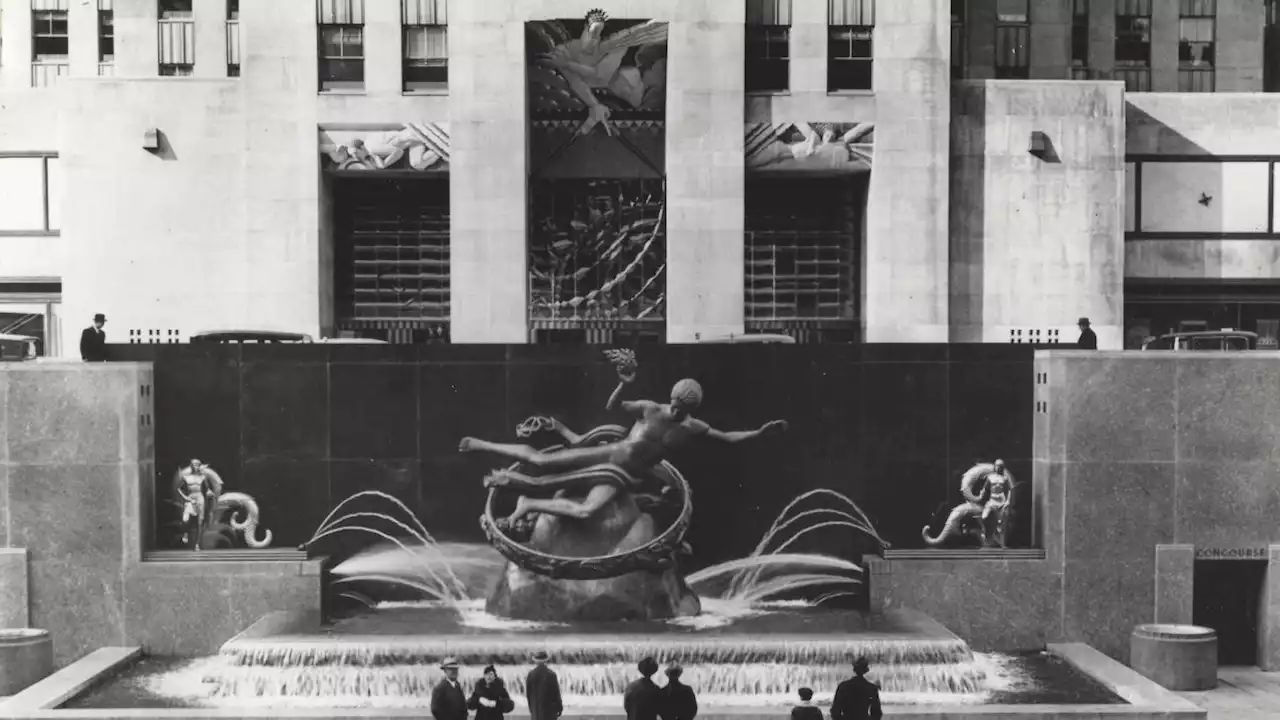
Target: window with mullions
[
  {"x": 1133, "y": 44},
  {"x": 957, "y": 39},
  {"x": 1013, "y": 37},
  {"x": 1080, "y": 40},
  {"x": 49, "y": 35},
  {"x": 850, "y": 51},
  {"x": 341, "y": 29},
  {"x": 768, "y": 52},
  {"x": 426, "y": 45},
  {"x": 1196, "y": 28},
  {"x": 31, "y": 184},
  {"x": 106, "y": 36}
]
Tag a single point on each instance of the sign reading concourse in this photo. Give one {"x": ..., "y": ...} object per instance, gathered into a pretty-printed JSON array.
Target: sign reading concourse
[{"x": 1259, "y": 552}]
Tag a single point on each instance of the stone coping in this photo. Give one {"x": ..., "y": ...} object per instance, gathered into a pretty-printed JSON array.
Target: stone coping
[
  {"x": 1148, "y": 700},
  {"x": 992, "y": 554},
  {"x": 70, "y": 681}
]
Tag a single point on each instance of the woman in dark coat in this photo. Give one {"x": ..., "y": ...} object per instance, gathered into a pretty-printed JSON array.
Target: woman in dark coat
[{"x": 490, "y": 699}]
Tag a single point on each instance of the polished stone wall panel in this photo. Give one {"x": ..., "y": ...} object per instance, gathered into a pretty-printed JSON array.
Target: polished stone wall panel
[
  {"x": 864, "y": 421},
  {"x": 1107, "y": 401},
  {"x": 1117, "y": 509},
  {"x": 995, "y": 605},
  {"x": 1103, "y": 600},
  {"x": 1228, "y": 412}
]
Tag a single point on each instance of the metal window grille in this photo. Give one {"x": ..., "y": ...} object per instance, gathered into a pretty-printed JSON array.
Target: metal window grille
[
  {"x": 391, "y": 255},
  {"x": 596, "y": 255},
  {"x": 801, "y": 251}
]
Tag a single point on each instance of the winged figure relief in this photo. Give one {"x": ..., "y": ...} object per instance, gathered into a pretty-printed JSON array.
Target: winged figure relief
[{"x": 592, "y": 64}]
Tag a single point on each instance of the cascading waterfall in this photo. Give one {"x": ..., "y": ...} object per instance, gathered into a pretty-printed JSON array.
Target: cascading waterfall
[{"x": 388, "y": 657}]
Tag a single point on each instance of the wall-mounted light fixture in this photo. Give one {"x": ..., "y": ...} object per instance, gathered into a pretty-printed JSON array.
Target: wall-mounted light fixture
[{"x": 151, "y": 140}]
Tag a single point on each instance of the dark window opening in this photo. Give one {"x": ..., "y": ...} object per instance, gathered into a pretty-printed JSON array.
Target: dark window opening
[
  {"x": 49, "y": 36},
  {"x": 768, "y": 63},
  {"x": 341, "y": 57}
]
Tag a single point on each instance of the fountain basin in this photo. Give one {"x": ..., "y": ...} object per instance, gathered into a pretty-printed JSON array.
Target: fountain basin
[{"x": 26, "y": 657}]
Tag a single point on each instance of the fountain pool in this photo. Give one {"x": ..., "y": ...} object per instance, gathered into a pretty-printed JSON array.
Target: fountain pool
[{"x": 386, "y": 658}]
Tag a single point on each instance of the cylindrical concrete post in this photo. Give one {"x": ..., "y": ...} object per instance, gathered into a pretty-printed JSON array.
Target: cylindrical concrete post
[
  {"x": 1176, "y": 657},
  {"x": 26, "y": 657}
]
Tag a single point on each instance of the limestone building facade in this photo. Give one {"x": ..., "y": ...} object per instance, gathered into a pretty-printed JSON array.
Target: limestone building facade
[{"x": 643, "y": 170}]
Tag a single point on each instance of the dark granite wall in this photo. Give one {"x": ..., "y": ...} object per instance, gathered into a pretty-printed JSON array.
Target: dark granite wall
[{"x": 302, "y": 427}]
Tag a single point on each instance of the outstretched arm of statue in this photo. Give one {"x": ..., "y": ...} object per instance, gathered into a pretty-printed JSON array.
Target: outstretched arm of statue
[{"x": 735, "y": 436}]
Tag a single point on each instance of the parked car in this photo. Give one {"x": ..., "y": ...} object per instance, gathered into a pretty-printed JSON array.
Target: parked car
[
  {"x": 272, "y": 337},
  {"x": 753, "y": 339},
  {"x": 18, "y": 347},
  {"x": 1204, "y": 340}
]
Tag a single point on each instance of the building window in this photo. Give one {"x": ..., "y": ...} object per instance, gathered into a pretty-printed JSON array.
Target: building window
[
  {"x": 49, "y": 46},
  {"x": 1013, "y": 36},
  {"x": 233, "y": 38},
  {"x": 1196, "y": 28},
  {"x": 31, "y": 185},
  {"x": 1080, "y": 40},
  {"x": 957, "y": 39},
  {"x": 106, "y": 36},
  {"x": 49, "y": 32},
  {"x": 849, "y": 47},
  {"x": 1271, "y": 48},
  {"x": 426, "y": 45},
  {"x": 341, "y": 44},
  {"x": 1133, "y": 44},
  {"x": 176, "y": 10},
  {"x": 177, "y": 38},
  {"x": 768, "y": 52}
]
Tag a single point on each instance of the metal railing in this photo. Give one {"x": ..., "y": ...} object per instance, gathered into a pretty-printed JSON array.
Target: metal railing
[{"x": 46, "y": 73}]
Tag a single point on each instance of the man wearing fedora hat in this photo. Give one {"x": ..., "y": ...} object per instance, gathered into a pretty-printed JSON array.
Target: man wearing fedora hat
[
  {"x": 1088, "y": 338},
  {"x": 448, "y": 702},
  {"x": 93, "y": 341},
  {"x": 643, "y": 699},
  {"x": 678, "y": 700},
  {"x": 542, "y": 690},
  {"x": 857, "y": 698}
]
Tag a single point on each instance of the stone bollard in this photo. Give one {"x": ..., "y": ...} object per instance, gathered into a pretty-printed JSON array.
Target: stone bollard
[
  {"x": 26, "y": 657},
  {"x": 1176, "y": 657}
]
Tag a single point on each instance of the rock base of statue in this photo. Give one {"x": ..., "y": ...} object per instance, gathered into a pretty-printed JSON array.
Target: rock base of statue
[{"x": 618, "y": 527}]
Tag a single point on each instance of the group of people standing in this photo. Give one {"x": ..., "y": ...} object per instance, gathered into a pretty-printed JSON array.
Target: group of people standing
[{"x": 856, "y": 698}]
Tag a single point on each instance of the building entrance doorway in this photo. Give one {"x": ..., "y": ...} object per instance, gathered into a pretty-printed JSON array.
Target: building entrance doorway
[{"x": 1227, "y": 597}]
